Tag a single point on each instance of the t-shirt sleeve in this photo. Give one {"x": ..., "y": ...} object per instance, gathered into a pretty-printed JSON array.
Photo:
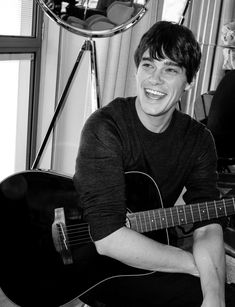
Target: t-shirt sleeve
[
  {"x": 99, "y": 176},
  {"x": 201, "y": 185}
]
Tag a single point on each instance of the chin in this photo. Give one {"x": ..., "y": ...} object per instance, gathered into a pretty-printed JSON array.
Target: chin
[{"x": 152, "y": 112}]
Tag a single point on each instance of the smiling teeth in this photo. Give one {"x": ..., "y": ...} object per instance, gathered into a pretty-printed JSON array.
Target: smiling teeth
[{"x": 154, "y": 92}]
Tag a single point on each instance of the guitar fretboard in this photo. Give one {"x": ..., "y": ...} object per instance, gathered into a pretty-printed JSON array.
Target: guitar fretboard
[{"x": 150, "y": 220}]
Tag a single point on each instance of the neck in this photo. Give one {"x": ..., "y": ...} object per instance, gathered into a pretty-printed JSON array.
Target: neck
[{"x": 155, "y": 123}]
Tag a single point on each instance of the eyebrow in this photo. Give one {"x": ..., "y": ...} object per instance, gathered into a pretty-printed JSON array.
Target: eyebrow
[
  {"x": 171, "y": 63},
  {"x": 167, "y": 62},
  {"x": 147, "y": 59}
]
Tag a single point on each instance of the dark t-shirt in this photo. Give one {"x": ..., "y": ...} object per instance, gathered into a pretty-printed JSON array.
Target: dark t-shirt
[{"x": 114, "y": 141}]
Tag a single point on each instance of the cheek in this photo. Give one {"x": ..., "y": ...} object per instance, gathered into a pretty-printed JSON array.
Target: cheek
[
  {"x": 141, "y": 76},
  {"x": 179, "y": 88},
  {"x": 137, "y": 79},
  {"x": 139, "y": 82}
]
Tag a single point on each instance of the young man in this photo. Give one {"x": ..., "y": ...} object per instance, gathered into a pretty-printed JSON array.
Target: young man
[{"x": 148, "y": 134}]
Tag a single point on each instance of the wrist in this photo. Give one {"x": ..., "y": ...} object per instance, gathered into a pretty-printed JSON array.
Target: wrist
[
  {"x": 215, "y": 290},
  {"x": 216, "y": 298}
]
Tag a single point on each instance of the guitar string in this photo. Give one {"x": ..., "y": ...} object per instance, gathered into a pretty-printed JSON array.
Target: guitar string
[
  {"x": 172, "y": 221},
  {"x": 84, "y": 226},
  {"x": 78, "y": 240},
  {"x": 77, "y": 230},
  {"x": 194, "y": 207},
  {"x": 78, "y": 234},
  {"x": 177, "y": 208},
  {"x": 168, "y": 214}
]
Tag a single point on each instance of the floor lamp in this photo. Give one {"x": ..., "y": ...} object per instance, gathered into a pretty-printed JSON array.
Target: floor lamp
[{"x": 90, "y": 19}]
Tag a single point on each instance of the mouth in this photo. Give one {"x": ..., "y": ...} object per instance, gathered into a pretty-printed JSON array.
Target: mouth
[{"x": 154, "y": 94}]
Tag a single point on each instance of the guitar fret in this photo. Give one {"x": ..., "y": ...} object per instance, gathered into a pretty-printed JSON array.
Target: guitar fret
[
  {"x": 204, "y": 212},
  {"x": 155, "y": 220},
  {"x": 163, "y": 219},
  {"x": 174, "y": 216},
  {"x": 233, "y": 206},
  {"x": 133, "y": 223},
  {"x": 225, "y": 209},
  {"x": 160, "y": 219},
  {"x": 207, "y": 212},
  {"x": 140, "y": 229},
  {"x": 216, "y": 209},
  {"x": 172, "y": 219},
  {"x": 145, "y": 222},
  {"x": 150, "y": 222},
  {"x": 192, "y": 213},
  {"x": 185, "y": 217},
  {"x": 188, "y": 213},
  {"x": 166, "y": 218},
  {"x": 181, "y": 218},
  {"x": 230, "y": 209},
  {"x": 169, "y": 217},
  {"x": 212, "y": 210},
  {"x": 199, "y": 212},
  {"x": 221, "y": 208},
  {"x": 176, "y": 208}
]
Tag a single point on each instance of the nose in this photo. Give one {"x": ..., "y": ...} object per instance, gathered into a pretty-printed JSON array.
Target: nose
[{"x": 156, "y": 76}]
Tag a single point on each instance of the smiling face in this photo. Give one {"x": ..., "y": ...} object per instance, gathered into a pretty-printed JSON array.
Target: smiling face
[{"x": 160, "y": 85}]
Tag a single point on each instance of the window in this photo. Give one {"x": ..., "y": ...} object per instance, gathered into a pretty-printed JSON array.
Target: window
[
  {"x": 16, "y": 17},
  {"x": 173, "y": 9},
  {"x": 20, "y": 48},
  {"x": 14, "y": 97}
]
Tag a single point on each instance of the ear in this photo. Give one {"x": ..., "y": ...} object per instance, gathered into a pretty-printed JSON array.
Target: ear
[{"x": 189, "y": 85}]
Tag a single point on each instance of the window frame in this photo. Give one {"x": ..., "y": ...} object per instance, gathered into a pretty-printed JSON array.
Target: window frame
[{"x": 29, "y": 44}]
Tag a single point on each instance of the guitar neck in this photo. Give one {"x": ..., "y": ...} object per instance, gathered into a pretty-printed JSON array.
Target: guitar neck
[{"x": 150, "y": 220}]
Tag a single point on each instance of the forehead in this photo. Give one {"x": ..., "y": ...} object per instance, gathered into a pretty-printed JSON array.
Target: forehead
[{"x": 166, "y": 61}]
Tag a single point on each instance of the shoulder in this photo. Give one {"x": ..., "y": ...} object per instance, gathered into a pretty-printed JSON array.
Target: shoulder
[
  {"x": 190, "y": 125},
  {"x": 117, "y": 108},
  {"x": 193, "y": 132},
  {"x": 112, "y": 115},
  {"x": 109, "y": 123}
]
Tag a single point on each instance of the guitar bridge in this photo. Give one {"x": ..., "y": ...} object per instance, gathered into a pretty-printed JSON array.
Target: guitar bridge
[{"x": 60, "y": 238}]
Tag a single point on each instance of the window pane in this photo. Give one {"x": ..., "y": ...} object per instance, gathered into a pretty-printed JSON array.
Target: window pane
[
  {"x": 173, "y": 9},
  {"x": 16, "y": 17},
  {"x": 14, "y": 101}
]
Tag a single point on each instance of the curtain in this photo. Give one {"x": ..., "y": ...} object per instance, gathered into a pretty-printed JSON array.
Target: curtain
[
  {"x": 205, "y": 19},
  {"x": 116, "y": 77}
]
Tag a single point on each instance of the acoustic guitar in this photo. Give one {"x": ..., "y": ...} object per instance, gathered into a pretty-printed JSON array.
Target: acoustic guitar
[{"x": 47, "y": 255}]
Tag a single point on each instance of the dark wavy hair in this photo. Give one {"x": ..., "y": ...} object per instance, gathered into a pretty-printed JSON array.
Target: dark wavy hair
[{"x": 174, "y": 41}]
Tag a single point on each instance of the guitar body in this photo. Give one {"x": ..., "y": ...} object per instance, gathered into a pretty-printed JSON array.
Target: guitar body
[{"x": 33, "y": 272}]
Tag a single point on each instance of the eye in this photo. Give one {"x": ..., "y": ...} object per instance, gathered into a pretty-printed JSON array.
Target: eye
[
  {"x": 147, "y": 65},
  {"x": 172, "y": 70}
]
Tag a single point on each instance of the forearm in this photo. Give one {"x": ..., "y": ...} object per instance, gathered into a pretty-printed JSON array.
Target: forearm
[
  {"x": 137, "y": 250},
  {"x": 208, "y": 251}
]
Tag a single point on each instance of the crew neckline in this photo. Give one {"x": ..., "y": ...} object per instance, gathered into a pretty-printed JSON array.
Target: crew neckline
[{"x": 146, "y": 130}]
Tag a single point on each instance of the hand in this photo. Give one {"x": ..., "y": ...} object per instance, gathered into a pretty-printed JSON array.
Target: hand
[{"x": 213, "y": 300}]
